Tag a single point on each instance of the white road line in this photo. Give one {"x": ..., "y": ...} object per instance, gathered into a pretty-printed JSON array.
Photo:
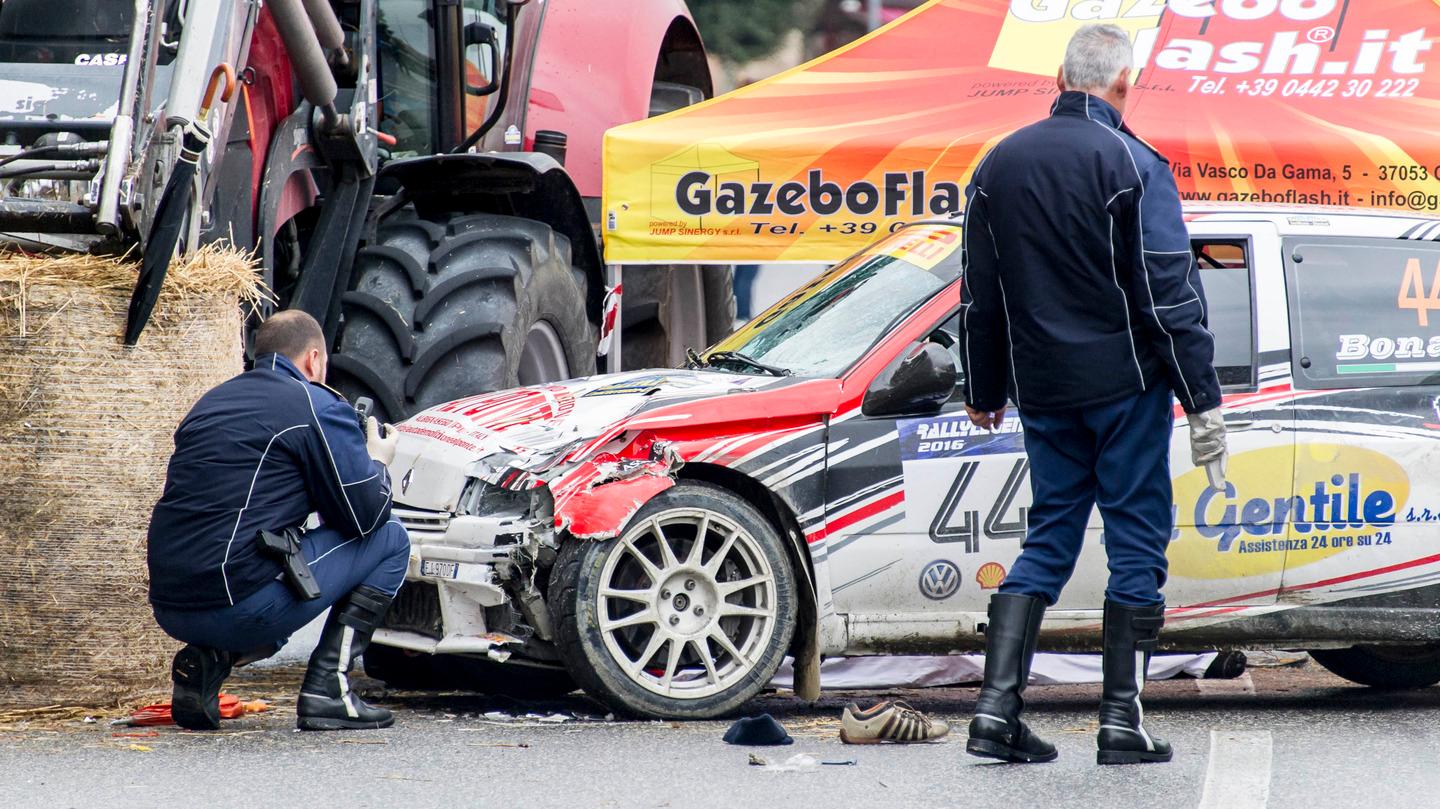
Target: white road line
[
  {"x": 1238, "y": 775},
  {"x": 1239, "y": 685}
]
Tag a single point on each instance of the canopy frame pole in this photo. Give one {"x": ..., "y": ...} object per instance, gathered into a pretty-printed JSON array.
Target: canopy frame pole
[
  {"x": 873, "y": 14},
  {"x": 612, "y": 357}
]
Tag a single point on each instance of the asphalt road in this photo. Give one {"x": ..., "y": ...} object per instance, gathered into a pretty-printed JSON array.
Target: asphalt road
[{"x": 1286, "y": 738}]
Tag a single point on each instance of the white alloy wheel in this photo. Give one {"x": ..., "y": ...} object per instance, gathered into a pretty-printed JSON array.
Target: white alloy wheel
[
  {"x": 687, "y": 603},
  {"x": 685, "y": 615}
]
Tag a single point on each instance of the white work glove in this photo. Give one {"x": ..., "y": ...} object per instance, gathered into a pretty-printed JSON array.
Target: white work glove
[
  {"x": 1207, "y": 444},
  {"x": 381, "y": 448}
]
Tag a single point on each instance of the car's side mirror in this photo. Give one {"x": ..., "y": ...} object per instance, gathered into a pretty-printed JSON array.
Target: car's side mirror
[{"x": 919, "y": 382}]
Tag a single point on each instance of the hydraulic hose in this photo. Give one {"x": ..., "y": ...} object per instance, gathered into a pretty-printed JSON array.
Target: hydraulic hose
[
  {"x": 308, "y": 60},
  {"x": 68, "y": 170},
  {"x": 29, "y": 154},
  {"x": 327, "y": 25}
]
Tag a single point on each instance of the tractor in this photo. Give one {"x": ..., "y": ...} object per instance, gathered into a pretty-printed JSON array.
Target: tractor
[{"x": 422, "y": 176}]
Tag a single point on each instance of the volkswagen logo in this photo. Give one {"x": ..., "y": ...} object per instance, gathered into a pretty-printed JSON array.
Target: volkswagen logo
[{"x": 939, "y": 580}]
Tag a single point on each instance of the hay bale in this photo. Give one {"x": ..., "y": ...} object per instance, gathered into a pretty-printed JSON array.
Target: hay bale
[{"x": 86, "y": 428}]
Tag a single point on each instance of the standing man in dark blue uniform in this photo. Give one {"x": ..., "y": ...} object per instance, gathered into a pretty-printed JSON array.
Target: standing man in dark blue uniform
[
  {"x": 1082, "y": 303},
  {"x": 263, "y": 452}
]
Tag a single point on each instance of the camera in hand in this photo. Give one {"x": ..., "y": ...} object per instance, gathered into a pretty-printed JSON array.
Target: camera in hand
[{"x": 364, "y": 408}]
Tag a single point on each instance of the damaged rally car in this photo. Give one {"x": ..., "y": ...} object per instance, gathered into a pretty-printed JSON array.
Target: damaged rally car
[{"x": 811, "y": 486}]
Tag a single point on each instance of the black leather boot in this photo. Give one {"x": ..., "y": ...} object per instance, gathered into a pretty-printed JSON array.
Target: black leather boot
[
  {"x": 197, "y": 673},
  {"x": 1010, "y": 639},
  {"x": 326, "y": 701},
  {"x": 1130, "y": 636}
]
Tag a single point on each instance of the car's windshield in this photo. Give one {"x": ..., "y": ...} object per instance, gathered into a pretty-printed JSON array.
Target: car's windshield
[{"x": 825, "y": 326}]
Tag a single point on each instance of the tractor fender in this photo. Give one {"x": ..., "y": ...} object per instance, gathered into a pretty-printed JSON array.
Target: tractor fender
[
  {"x": 525, "y": 184},
  {"x": 595, "y": 66}
]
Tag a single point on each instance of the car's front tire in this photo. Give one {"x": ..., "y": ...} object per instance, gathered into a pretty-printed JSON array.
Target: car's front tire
[
  {"x": 656, "y": 624},
  {"x": 1391, "y": 667}
]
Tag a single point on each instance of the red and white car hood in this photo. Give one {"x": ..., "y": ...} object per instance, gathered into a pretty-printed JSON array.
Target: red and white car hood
[{"x": 544, "y": 434}]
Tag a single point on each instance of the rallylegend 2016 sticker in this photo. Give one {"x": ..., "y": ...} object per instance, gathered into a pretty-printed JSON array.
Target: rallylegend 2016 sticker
[{"x": 954, "y": 436}]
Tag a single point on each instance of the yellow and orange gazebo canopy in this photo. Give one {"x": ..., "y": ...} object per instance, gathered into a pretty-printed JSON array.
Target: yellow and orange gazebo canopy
[{"x": 1315, "y": 102}]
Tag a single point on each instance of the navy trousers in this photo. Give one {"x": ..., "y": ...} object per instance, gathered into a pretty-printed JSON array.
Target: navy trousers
[
  {"x": 269, "y": 615},
  {"x": 1116, "y": 456}
]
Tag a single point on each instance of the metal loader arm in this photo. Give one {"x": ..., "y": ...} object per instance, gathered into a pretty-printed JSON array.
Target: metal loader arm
[{"x": 338, "y": 123}]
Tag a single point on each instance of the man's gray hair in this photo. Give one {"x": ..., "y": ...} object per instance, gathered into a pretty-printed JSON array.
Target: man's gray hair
[{"x": 1096, "y": 55}]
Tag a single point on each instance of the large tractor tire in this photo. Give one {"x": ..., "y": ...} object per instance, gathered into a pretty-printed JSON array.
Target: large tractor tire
[
  {"x": 667, "y": 309},
  {"x": 458, "y": 306}
]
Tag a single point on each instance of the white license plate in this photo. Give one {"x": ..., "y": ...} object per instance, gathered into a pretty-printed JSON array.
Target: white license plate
[{"x": 440, "y": 570}]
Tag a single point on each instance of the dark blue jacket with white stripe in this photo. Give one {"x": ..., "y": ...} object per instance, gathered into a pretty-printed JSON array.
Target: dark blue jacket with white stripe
[
  {"x": 1079, "y": 285},
  {"x": 263, "y": 450}
]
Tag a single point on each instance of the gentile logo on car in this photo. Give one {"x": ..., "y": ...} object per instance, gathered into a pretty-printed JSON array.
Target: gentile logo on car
[
  {"x": 1342, "y": 498},
  {"x": 1283, "y": 507}
]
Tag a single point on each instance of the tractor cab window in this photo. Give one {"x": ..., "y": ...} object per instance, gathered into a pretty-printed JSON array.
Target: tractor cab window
[
  {"x": 89, "y": 33},
  {"x": 407, "y": 75},
  {"x": 483, "y": 27}
]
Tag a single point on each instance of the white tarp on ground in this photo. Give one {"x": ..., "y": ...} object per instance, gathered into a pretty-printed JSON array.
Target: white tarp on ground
[{"x": 913, "y": 671}]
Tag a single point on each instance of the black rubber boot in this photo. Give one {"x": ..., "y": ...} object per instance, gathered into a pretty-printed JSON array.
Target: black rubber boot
[
  {"x": 326, "y": 701},
  {"x": 1130, "y": 636},
  {"x": 198, "y": 672},
  {"x": 996, "y": 731}
]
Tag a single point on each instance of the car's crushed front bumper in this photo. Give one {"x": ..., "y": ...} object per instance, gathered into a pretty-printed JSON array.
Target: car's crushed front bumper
[
  {"x": 484, "y": 530},
  {"x": 453, "y": 583}
]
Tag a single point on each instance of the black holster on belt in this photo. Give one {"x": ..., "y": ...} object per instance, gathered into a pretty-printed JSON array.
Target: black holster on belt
[{"x": 285, "y": 546}]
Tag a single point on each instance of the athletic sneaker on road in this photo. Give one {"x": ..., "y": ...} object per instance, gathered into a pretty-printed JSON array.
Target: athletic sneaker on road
[{"x": 889, "y": 722}]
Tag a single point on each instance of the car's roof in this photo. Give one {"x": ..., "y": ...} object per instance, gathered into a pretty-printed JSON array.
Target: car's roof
[
  {"x": 1308, "y": 220},
  {"x": 1322, "y": 220}
]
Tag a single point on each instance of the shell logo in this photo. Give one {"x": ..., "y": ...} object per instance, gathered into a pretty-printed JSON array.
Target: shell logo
[
  {"x": 990, "y": 575},
  {"x": 1268, "y": 518}
]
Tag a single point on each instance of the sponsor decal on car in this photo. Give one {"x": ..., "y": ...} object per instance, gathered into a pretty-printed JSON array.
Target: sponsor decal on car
[
  {"x": 990, "y": 575},
  {"x": 1369, "y": 354},
  {"x": 939, "y": 580},
  {"x": 1341, "y": 498},
  {"x": 953, "y": 436},
  {"x": 925, "y": 246}
]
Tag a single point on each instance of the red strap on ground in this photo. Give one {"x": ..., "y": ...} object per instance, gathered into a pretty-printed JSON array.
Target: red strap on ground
[{"x": 231, "y": 707}]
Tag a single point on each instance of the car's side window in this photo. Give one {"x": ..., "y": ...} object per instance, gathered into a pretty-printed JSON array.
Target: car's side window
[
  {"x": 1364, "y": 311},
  {"x": 1225, "y": 274}
]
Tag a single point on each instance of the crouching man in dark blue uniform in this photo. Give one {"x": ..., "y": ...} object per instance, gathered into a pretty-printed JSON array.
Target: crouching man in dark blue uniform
[
  {"x": 263, "y": 452},
  {"x": 1082, "y": 302}
]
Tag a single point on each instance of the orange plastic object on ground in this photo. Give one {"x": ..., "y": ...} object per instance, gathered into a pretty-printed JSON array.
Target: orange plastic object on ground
[{"x": 231, "y": 707}]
